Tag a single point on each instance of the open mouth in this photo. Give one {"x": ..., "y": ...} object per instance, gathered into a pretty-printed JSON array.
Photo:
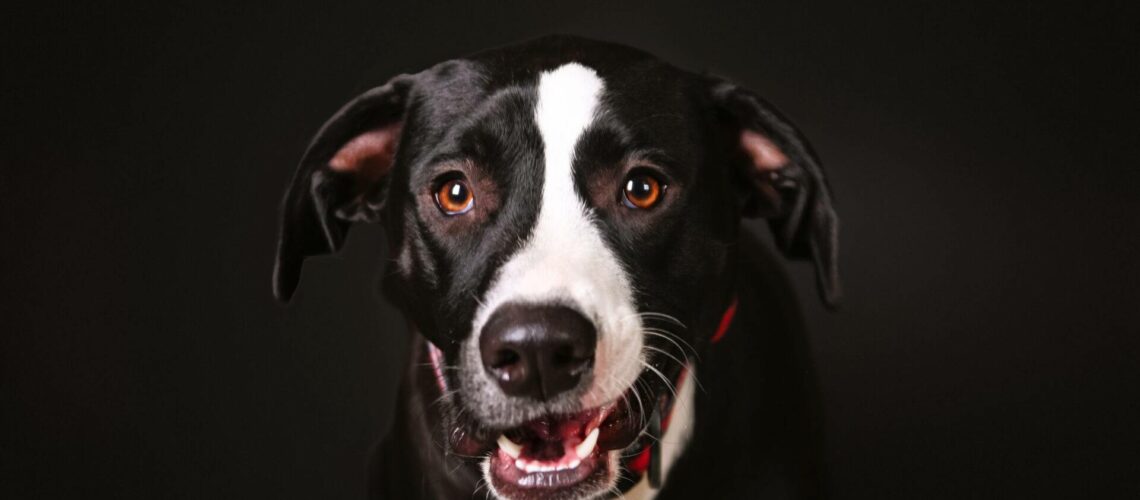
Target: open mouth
[{"x": 562, "y": 456}]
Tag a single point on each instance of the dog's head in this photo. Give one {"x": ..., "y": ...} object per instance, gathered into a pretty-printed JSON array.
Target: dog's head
[{"x": 562, "y": 217}]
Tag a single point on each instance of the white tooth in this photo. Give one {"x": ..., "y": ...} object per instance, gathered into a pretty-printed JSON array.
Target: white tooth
[
  {"x": 519, "y": 464},
  {"x": 574, "y": 464},
  {"x": 583, "y": 450},
  {"x": 509, "y": 446}
]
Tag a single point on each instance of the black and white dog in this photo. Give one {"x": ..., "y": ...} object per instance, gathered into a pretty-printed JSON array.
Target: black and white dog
[{"x": 564, "y": 218}]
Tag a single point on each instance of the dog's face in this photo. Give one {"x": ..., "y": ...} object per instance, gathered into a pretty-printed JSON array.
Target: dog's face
[{"x": 562, "y": 217}]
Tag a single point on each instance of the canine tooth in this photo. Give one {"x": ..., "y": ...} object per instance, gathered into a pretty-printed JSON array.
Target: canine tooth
[
  {"x": 519, "y": 464},
  {"x": 574, "y": 464},
  {"x": 583, "y": 450},
  {"x": 512, "y": 449}
]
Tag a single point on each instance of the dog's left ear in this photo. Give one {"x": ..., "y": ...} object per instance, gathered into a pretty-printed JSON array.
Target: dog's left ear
[
  {"x": 341, "y": 179},
  {"x": 782, "y": 181}
]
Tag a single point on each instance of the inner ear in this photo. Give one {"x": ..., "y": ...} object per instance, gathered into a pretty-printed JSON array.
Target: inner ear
[
  {"x": 766, "y": 156},
  {"x": 365, "y": 161},
  {"x": 765, "y": 166},
  {"x": 368, "y": 157}
]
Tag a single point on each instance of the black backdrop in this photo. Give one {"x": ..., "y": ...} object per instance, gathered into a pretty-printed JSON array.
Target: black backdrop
[{"x": 984, "y": 165}]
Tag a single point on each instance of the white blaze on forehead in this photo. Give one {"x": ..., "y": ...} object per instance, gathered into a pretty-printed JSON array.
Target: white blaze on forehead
[
  {"x": 566, "y": 260},
  {"x": 567, "y": 98}
]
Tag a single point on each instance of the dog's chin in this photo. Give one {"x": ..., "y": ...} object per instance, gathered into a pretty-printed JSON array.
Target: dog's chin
[{"x": 565, "y": 456}]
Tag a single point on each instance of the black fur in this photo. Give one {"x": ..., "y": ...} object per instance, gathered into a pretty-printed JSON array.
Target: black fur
[{"x": 757, "y": 422}]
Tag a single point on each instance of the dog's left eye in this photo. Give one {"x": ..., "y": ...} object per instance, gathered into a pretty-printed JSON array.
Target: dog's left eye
[
  {"x": 454, "y": 197},
  {"x": 642, "y": 191}
]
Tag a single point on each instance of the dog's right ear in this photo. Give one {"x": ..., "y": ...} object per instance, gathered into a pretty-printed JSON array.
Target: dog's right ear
[{"x": 341, "y": 179}]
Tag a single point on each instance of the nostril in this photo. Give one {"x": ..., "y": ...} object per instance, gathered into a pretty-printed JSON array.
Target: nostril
[
  {"x": 570, "y": 356},
  {"x": 504, "y": 358}
]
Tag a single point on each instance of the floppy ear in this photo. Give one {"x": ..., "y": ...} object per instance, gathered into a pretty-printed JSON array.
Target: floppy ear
[
  {"x": 784, "y": 182},
  {"x": 341, "y": 179}
]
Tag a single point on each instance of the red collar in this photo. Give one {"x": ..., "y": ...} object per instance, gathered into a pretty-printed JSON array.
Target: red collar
[{"x": 725, "y": 322}]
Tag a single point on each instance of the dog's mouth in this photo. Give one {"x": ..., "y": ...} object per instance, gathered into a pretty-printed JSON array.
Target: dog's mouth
[
  {"x": 557, "y": 456},
  {"x": 550, "y": 453}
]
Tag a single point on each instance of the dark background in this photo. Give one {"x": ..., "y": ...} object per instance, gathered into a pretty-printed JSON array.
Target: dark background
[{"x": 984, "y": 160}]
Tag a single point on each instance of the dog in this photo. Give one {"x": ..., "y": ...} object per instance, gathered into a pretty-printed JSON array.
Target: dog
[{"x": 565, "y": 227}]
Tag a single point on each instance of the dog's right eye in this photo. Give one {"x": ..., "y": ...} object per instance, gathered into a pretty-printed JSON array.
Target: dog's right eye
[
  {"x": 642, "y": 191},
  {"x": 454, "y": 197}
]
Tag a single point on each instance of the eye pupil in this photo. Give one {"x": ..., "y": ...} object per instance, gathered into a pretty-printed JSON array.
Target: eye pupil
[
  {"x": 639, "y": 188},
  {"x": 457, "y": 192}
]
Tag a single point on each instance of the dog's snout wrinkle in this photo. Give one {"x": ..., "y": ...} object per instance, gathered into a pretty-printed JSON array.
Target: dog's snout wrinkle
[{"x": 537, "y": 351}]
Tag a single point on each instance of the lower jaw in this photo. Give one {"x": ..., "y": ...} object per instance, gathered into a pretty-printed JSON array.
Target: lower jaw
[{"x": 592, "y": 475}]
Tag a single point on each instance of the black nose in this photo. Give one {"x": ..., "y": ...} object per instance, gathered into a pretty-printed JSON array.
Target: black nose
[{"x": 537, "y": 351}]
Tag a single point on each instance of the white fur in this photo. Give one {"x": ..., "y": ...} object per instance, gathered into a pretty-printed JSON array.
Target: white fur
[
  {"x": 676, "y": 438},
  {"x": 566, "y": 260}
]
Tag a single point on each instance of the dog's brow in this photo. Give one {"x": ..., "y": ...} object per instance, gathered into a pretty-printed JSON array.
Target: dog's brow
[{"x": 438, "y": 161}]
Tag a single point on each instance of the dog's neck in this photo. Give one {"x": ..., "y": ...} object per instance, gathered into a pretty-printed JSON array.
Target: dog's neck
[{"x": 676, "y": 438}]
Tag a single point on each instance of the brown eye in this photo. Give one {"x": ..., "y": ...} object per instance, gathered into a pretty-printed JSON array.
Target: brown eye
[
  {"x": 642, "y": 191},
  {"x": 454, "y": 197}
]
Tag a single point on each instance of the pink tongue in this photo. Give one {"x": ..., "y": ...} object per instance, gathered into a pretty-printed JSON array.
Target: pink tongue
[
  {"x": 558, "y": 428},
  {"x": 544, "y": 450},
  {"x": 547, "y": 438}
]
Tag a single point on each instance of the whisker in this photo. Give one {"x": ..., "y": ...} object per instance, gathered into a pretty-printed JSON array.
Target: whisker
[
  {"x": 664, "y": 317},
  {"x": 668, "y": 384},
  {"x": 670, "y": 356},
  {"x": 444, "y": 368},
  {"x": 668, "y": 333},
  {"x": 640, "y": 403},
  {"x": 680, "y": 347},
  {"x": 477, "y": 301},
  {"x": 628, "y": 403},
  {"x": 614, "y": 491},
  {"x": 632, "y": 454},
  {"x": 651, "y": 437},
  {"x": 692, "y": 373},
  {"x": 700, "y": 386},
  {"x": 479, "y": 485},
  {"x": 445, "y": 395}
]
